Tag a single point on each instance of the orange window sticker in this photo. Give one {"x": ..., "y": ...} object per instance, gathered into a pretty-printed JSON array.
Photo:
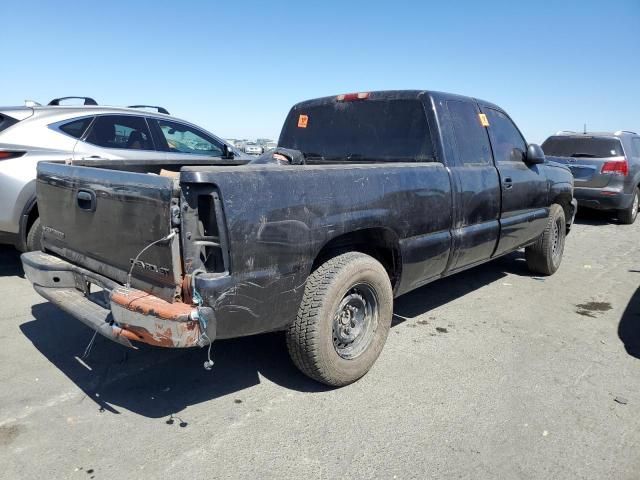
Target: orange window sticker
[
  {"x": 303, "y": 120},
  {"x": 484, "y": 120}
]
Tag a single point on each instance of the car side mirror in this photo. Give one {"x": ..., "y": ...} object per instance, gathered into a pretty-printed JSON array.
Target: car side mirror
[
  {"x": 535, "y": 155},
  {"x": 227, "y": 152}
]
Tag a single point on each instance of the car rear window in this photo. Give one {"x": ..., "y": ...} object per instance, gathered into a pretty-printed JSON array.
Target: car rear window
[
  {"x": 77, "y": 127},
  {"x": 364, "y": 130},
  {"x": 6, "y": 121},
  {"x": 590, "y": 147}
]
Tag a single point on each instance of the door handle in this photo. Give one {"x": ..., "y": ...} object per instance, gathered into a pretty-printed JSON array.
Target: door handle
[
  {"x": 86, "y": 200},
  {"x": 508, "y": 183},
  {"x": 94, "y": 157}
]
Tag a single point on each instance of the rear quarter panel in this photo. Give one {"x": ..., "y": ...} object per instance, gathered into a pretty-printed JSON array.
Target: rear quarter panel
[{"x": 279, "y": 218}]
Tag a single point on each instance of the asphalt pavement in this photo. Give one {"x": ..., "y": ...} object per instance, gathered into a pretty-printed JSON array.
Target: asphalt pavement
[{"x": 492, "y": 373}]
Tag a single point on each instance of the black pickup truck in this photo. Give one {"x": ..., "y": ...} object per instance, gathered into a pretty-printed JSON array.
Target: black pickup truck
[{"x": 368, "y": 196}]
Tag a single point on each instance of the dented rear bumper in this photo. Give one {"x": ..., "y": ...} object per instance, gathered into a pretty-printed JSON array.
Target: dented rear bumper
[{"x": 121, "y": 314}]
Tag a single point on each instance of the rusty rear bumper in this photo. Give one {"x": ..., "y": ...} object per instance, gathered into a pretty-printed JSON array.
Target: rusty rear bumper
[{"x": 118, "y": 313}]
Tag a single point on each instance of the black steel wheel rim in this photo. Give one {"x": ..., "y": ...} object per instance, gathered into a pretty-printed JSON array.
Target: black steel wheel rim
[{"x": 355, "y": 321}]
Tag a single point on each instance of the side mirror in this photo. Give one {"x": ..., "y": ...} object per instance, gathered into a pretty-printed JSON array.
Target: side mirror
[
  {"x": 227, "y": 152},
  {"x": 535, "y": 155}
]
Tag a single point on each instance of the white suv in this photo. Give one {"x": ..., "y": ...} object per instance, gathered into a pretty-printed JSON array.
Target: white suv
[{"x": 85, "y": 134}]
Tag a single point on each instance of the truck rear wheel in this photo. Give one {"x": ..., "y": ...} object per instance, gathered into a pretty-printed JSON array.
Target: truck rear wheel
[
  {"x": 545, "y": 255},
  {"x": 628, "y": 215},
  {"x": 343, "y": 320}
]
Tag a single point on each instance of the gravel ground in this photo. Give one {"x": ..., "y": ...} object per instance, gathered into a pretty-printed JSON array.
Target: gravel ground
[{"x": 493, "y": 373}]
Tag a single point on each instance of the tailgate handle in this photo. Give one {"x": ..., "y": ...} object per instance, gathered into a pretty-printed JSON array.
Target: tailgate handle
[{"x": 87, "y": 200}]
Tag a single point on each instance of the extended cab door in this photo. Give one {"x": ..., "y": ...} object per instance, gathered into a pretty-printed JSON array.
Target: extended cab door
[
  {"x": 524, "y": 187},
  {"x": 475, "y": 183}
]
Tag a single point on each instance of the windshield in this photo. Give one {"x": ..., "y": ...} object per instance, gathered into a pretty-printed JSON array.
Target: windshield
[
  {"x": 588, "y": 147},
  {"x": 366, "y": 130}
]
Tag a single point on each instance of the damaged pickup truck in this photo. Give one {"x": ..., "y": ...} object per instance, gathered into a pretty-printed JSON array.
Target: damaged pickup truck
[{"x": 368, "y": 196}]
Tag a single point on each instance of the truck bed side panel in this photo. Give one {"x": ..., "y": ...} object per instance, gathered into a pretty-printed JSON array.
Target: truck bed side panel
[{"x": 280, "y": 217}]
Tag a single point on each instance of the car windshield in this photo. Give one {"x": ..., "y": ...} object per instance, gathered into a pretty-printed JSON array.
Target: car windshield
[
  {"x": 587, "y": 147},
  {"x": 363, "y": 130}
]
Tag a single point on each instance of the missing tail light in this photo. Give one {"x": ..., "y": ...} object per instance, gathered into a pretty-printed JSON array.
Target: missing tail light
[
  {"x": 8, "y": 154},
  {"x": 211, "y": 239},
  {"x": 616, "y": 167}
]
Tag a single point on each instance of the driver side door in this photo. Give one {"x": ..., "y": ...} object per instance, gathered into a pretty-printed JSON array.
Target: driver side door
[{"x": 524, "y": 187}]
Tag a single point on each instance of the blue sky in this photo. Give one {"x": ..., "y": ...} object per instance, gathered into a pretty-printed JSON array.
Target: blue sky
[{"x": 237, "y": 67}]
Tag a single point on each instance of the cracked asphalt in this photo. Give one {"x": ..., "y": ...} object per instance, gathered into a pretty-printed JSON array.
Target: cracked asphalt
[{"x": 492, "y": 373}]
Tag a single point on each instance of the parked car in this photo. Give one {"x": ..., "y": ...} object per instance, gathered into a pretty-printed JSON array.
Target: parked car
[
  {"x": 84, "y": 134},
  {"x": 252, "y": 148},
  {"x": 606, "y": 168},
  {"x": 385, "y": 192},
  {"x": 269, "y": 146}
]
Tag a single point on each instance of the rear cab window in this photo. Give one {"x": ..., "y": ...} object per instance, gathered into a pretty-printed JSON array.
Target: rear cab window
[
  {"x": 584, "y": 146},
  {"x": 120, "y": 131},
  {"x": 371, "y": 130}
]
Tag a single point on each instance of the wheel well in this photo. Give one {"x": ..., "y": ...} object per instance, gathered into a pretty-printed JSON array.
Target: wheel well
[
  {"x": 565, "y": 202},
  {"x": 380, "y": 243},
  {"x": 29, "y": 215},
  {"x": 33, "y": 214}
]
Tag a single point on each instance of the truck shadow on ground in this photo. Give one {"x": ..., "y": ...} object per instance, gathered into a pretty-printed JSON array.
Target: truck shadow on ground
[
  {"x": 588, "y": 216},
  {"x": 10, "y": 265},
  {"x": 157, "y": 383},
  {"x": 629, "y": 326}
]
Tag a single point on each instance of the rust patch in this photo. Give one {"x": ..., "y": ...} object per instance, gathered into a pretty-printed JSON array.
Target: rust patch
[
  {"x": 186, "y": 289},
  {"x": 145, "y": 318},
  {"x": 146, "y": 304},
  {"x": 165, "y": 337}
]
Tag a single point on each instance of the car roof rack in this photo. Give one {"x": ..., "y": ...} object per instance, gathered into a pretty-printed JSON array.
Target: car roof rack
[
  {"x": 155, "y": 107},
  {"x": 87, "y": 100},
  {"x": 619, "y": 132}
]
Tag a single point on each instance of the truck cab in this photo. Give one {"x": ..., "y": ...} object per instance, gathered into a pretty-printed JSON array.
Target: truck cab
[{"x": 367, "y": 196}]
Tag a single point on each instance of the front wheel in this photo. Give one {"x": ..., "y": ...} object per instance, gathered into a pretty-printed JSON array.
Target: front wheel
[
  {"x": 545, "y": 255},
  {"x": 343, "y": 320},
  {"x": 628, "y": 215}
]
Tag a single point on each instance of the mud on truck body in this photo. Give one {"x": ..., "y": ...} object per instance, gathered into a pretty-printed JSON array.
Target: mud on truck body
[{"x": 377, "y": 194}]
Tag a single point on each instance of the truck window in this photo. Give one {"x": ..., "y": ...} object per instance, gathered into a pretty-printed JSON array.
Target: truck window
[
  {"x": 583, "y": 146},
  {"x": 120, "y": 131},
  {"x": 471, "y": 136},
  {"x": 365, "y": 130},
  {"x": 506, "y": 140}
]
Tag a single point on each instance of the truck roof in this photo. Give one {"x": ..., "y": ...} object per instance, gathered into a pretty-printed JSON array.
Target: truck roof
[{"x": 398, "y": 95}]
